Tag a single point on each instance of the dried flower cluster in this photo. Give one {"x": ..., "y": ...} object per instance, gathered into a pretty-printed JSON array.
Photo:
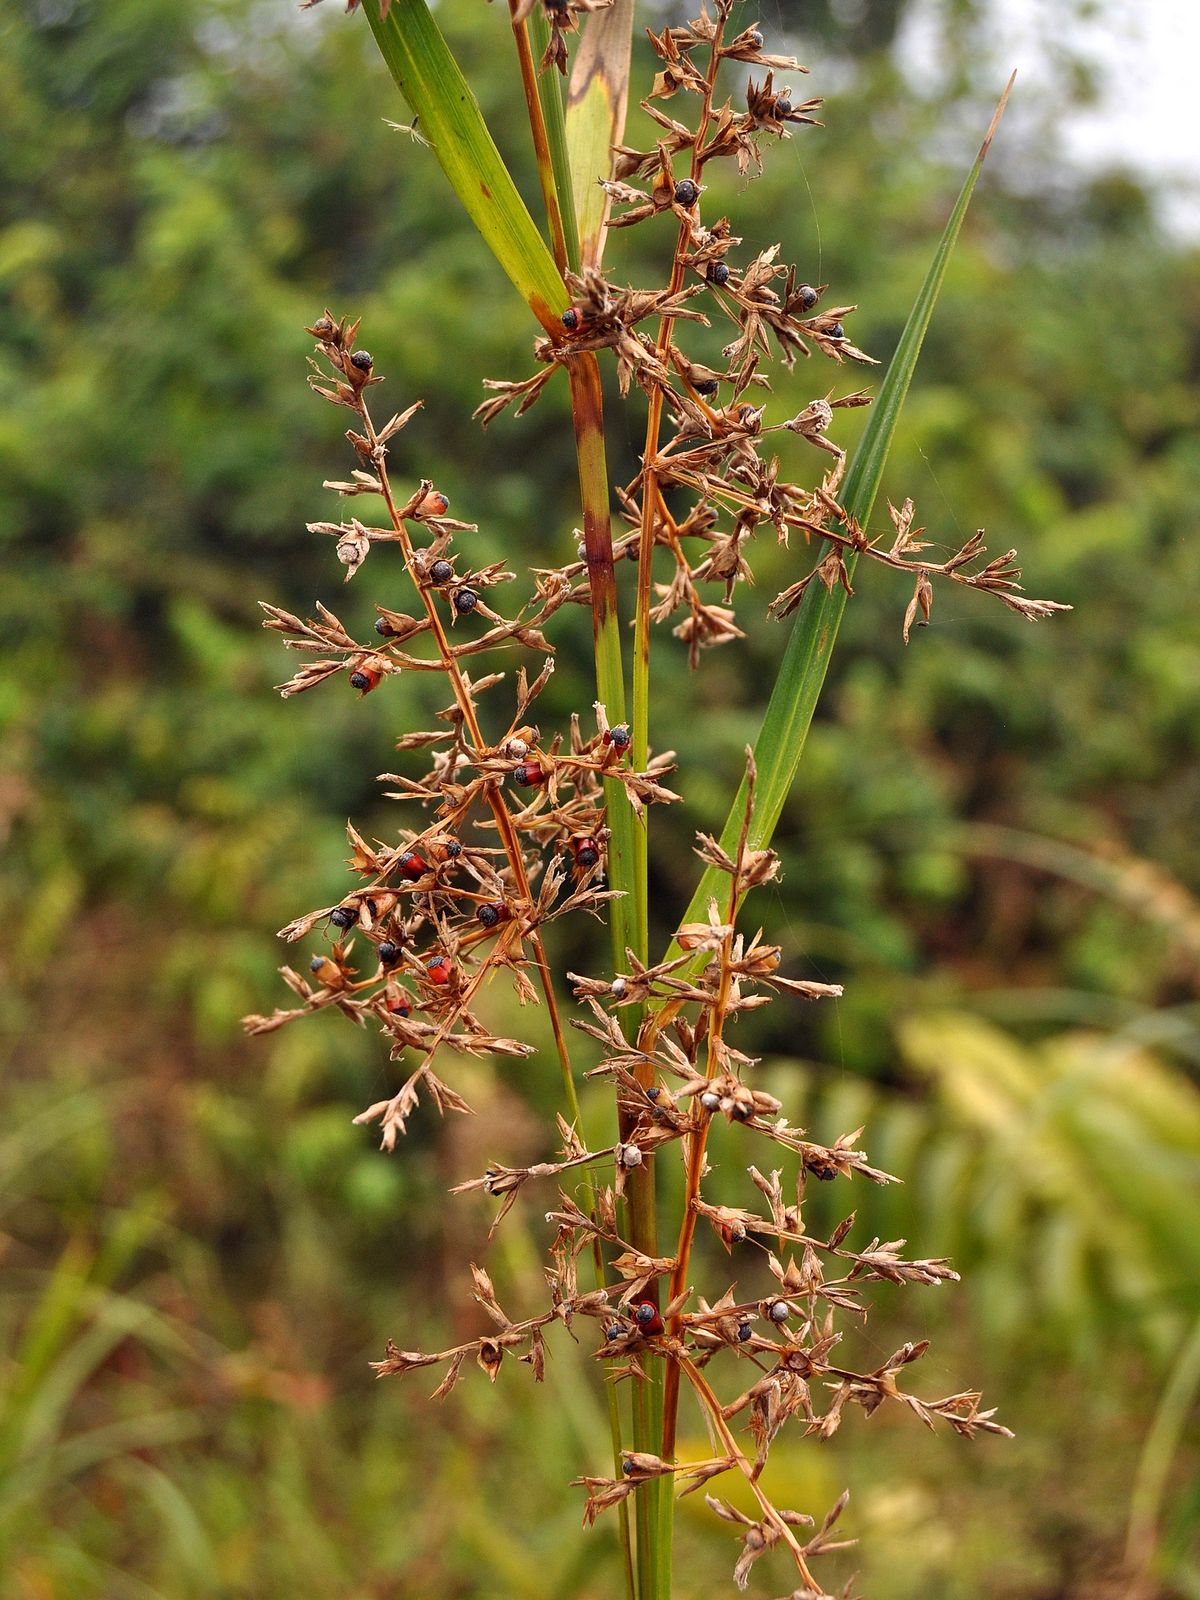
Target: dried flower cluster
[{"x": 518, "y": 830}]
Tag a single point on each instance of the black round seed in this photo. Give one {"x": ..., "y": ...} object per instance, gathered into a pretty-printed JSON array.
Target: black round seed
[
  {"x": 707, "y": 387},
  {"x": 453, "y": 849},
  {"x": 389, "y": 953},
  {"x": 383, "y": 627},
  {"x": 587, "y": 856},
  {"x": 441, "y": 572},
  {"x": 613, "y": 1331},
  {"x": 316, "y": 963},
  {"x": 808, "y": 296},
  {"x": 653, "y": 1092},
  {"x": 620, "y": 737},
  {"x": 344, "y": 916},
  {"x": 783, "y": 108},
  {"x": 628, "y": 1468},
  {"x": 745, "y": 1331},
  {"x": 779, "y": 1311},
  {"x": 837, "y": 331},
  {"x": 756, "y": 39},
  {"x": 465, "y": 601},
  {"x": 645, "y": 1313},
  {"x": 570, "y": 319},
  {"x": 489, "y": 915},
  {"x": 686, "y": 193},
  {"x": 359, "y": 680},
  {"x": 363, "y": 360},
  {"x": 718, "y": 273}
]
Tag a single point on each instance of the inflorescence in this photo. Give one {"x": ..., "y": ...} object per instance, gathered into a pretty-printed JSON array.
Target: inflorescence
[{"x": 518, "y": 831}]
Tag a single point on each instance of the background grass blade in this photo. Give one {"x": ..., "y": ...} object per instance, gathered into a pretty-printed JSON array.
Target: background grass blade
[
  {"x": 596, "y": 107},
  {"x": 448, "y": 113},
  {"x": 780, "y": 742}
]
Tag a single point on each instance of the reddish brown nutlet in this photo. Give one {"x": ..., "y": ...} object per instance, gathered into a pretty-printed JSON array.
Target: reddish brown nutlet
[
  {"x": 587, "y": 852},
  {"x": 645, "y": 1314},
  {"x": 529, "y": 775},
  {"x": 398, "y": 1001},
  {"x": 439, "y": 970},
  {"x": 435, "y": 504},
  {"x": 366, "y": 677},
  {"x": 413, "y": 865},
  {"x": 326, "y": 972}
]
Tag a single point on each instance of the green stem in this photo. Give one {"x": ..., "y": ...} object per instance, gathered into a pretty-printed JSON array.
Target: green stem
[
  {"x": 550, "y": 93},
  {"x": 587, "y": 409}
]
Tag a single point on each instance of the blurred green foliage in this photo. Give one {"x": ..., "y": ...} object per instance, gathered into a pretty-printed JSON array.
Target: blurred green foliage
[{"x": 202, "y": 1252}]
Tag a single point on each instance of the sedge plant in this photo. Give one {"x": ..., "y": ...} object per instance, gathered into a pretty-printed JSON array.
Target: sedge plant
[{"x": 523, "y": 826}]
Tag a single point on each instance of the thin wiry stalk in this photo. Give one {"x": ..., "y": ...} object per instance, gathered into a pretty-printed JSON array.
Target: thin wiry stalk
[
  {"x": 666, "y": 1404},
  {"x": 495, "y": 799},
  {"x": 547, "y": 175},
  {"x": 697, "y": 1145},
  {"x": 550, "y": 94},
  {"x": 716, "y": 1416},
  {"x": 554, "y": 175},
  {"x": 587, "y": 411}
]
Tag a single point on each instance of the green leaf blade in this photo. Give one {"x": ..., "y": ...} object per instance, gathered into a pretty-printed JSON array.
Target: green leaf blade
[{"x": 426, "y": 73}]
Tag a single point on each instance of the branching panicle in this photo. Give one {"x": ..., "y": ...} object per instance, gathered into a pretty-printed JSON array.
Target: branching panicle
[{"x": 518, "y": 822}]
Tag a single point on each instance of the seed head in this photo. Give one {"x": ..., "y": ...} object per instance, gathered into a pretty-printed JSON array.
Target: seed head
[
  {"x": 710, "y": 1101},
  {"x": 413, "y": 865},
  {"x": 465, "y": 601},
  {"x": 718, "y": 273},
  {"x": 363, "y": 360},
  {"x": 492, "y": 913},
  {"x": 686, "y": 193},
  {"x": 435, "y": 504},
  {"x": 837, "y": 331},
  {"x": 807, "y": 296},
  {"x": 389, "y": 952},
  {"x": 780, "y": 1310},
  {"x": 745, "y": 1331},
  {"x": 344, "y": 916},
  {"x": 441, "y": 572}
]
